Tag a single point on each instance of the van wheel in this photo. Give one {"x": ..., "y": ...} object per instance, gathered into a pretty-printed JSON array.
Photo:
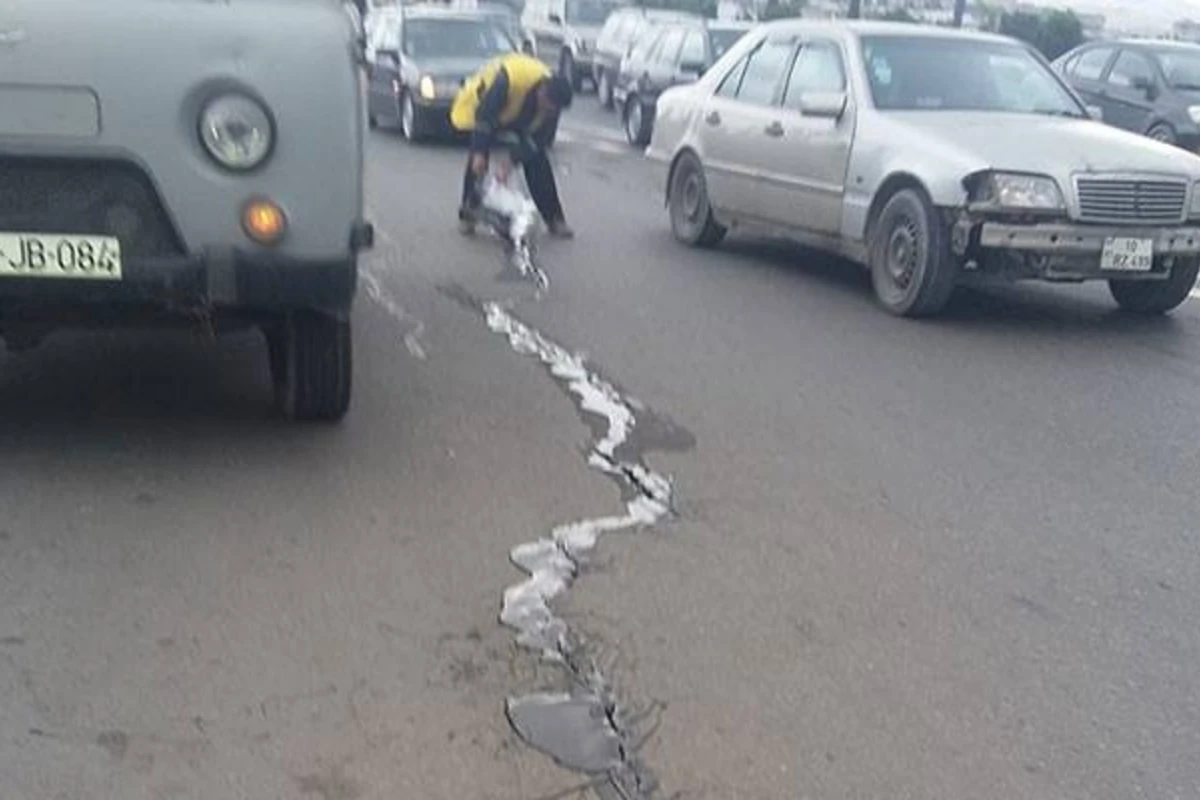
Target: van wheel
[
  {"x": 912, "y": 268},
  {"x": 1157, "y": 297},
  {"x": 310, "y": 357},
  {"x": 687, "y": 199}
]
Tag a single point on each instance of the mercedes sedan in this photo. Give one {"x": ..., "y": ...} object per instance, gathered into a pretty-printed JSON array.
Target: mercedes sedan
[{"x": 935, "y": 157}]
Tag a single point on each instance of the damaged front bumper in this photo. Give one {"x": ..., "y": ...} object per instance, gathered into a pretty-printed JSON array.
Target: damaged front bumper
[{"x": 1060, "y": 250}]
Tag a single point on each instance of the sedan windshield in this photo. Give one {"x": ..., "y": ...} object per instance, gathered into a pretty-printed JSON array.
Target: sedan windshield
[
  {"x": 925, "y": 73},
  {"x": 451, "y": 38},
  {"x": 1182, "y": 67}
]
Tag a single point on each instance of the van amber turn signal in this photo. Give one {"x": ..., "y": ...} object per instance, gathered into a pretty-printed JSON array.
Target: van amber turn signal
[{"x": 264, "y": 221}]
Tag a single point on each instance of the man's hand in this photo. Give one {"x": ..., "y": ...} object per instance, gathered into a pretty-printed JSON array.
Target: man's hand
[
  {"x": 503, "y": 169},
  {"x": 478, "y": 163}
]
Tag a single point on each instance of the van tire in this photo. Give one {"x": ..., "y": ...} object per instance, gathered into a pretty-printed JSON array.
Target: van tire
[{"x": 310, "y": 355}]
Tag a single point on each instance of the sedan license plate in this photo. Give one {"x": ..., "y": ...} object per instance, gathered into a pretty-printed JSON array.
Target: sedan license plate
[
  {"x": 60, "y": 255},
  {"x": 1127, "y": 255}
]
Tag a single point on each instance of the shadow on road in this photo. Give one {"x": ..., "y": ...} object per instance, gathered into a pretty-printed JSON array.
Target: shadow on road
[{"x": 1022, "y": 308}]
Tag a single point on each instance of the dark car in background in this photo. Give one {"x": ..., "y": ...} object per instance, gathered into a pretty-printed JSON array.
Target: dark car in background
[
  {"x": 621, "y": 30},
  {"x": 1148, "y": 87},
  {"x": 420, "y": 58},
  {"x": 667, "y": 55}
]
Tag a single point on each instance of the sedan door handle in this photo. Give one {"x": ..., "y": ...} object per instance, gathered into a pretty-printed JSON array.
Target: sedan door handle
[
  {"x": 774, "y": 130},
  {"x": 713, "y": 118}
]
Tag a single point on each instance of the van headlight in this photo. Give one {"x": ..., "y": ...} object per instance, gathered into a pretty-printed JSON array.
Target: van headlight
[
  {"x": 1019, "y": 192},
  {"x": 237, "y": 131},
  {"x": 428, "y": 88},
  {"x": 1194, "y": 208}
]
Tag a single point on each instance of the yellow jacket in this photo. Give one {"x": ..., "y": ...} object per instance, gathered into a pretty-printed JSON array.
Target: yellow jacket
[{"x": 524, "y": 73}]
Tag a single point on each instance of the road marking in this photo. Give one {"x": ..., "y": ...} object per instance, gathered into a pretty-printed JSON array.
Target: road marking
[{"x": 372, "y": 281}]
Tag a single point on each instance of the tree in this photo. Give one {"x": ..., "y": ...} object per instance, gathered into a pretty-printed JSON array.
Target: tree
[
  {"x": 1052, "y": 32},
  {"x": 855, "y": 9},
  {"x": 960, "y": 8}
]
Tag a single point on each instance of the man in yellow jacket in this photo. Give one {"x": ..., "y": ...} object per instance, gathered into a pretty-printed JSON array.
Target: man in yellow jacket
[{"x": 514, "y": 101}]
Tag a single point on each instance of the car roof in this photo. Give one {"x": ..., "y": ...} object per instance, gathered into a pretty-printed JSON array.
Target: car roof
[
  {"x": 861, "y": 27},
  {"x": 1153, "y": 44}
]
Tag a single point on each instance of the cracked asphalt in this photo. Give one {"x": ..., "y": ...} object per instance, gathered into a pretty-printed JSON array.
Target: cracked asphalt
[{"x": 930, "y": 560}]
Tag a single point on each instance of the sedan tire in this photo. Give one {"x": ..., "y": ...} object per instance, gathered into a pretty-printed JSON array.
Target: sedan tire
[
  {"x": 692, "y": 219},
  {"x": 310, "y": 357},
  {"x": 1162, "y": 132},
  {"x": 1157, "y": 297},
  {"x": 411, "y": 124},
  {"x": 604, "y": 89},
  {"x": 639, "y": 122},
  {"x": 912, "y": 269}
]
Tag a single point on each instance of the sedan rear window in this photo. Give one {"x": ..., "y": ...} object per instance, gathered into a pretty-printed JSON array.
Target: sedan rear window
[{"x": 925, "y": 73}]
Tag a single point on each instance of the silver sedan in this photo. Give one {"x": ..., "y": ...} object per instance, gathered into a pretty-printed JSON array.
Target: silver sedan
[{"x": 935, "y": 157}]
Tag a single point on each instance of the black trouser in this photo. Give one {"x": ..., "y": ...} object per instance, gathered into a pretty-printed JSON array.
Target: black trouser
[{"x": 539, "y": 177}]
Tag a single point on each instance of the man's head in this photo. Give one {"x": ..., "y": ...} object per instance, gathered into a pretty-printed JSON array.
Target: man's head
[{"x": 555, "y": 93}]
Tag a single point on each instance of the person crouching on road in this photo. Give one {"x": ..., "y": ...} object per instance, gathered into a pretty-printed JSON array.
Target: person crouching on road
[{"x": 516, "y": 99}]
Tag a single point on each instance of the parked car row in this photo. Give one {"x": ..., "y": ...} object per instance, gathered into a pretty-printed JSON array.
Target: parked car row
[{"x": 936, "y": 158}]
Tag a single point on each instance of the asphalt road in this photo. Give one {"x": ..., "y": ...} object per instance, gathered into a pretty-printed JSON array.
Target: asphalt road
[{"x": 929, "y": 560}]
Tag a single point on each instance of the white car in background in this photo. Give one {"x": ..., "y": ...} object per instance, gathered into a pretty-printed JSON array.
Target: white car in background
[{"x": 935, "y": 157}]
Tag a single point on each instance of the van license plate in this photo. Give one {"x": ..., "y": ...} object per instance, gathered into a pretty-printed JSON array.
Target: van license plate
[
  {"x": 60, "y": 255},
  {"x": 1127, "y": 255}
]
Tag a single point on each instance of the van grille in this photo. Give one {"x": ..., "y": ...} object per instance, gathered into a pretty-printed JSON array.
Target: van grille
[
  {"x": 107, "y": 198},
  {"x": 1133, "y": 201}
]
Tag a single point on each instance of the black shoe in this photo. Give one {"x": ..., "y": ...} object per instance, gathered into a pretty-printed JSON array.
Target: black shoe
[{"x": 561, "y": 230}]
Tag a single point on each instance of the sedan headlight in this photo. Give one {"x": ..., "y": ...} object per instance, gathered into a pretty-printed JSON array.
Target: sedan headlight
[
  {"x": 427, "y": 87},
  {"x": 1020, "y": 192},
  {"x": 1194, "y": 113},
  {"x": 237, "y": 131},
  {"x": 1194, "y": 208}
]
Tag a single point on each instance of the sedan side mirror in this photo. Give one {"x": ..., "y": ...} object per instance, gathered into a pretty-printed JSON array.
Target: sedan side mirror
[
  {"x": 693, "y": 69},
  {"x": 827, "y": 105},
  {"x": 386, "y": 53},
  {"x": 1096, "y": 113}
]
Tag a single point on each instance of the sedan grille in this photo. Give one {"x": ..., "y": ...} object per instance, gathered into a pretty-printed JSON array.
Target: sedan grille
[
  {"x": 107, "y": 198},
  {"x": 1131, "y": 201}
]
